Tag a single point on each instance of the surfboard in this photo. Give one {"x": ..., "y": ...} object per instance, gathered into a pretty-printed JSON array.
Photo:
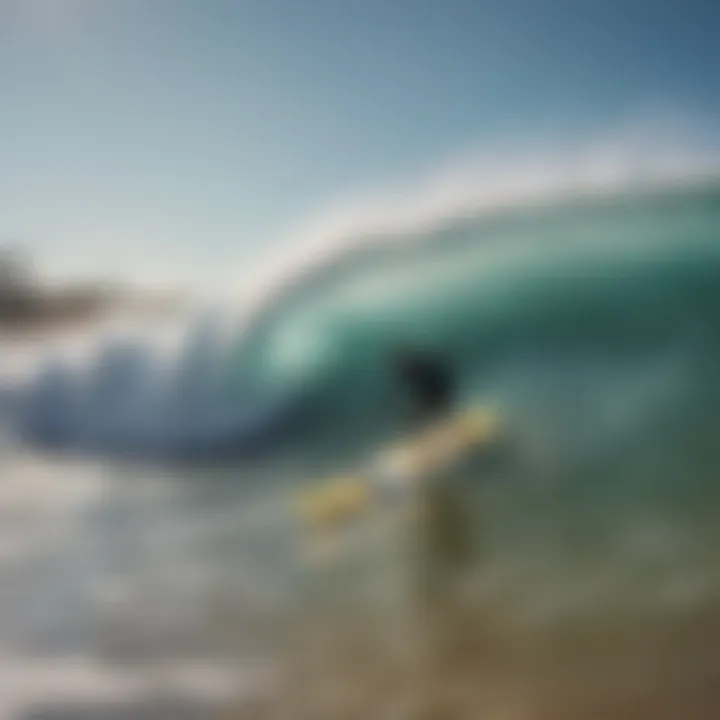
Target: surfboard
[{"x": 394, "y": 471}]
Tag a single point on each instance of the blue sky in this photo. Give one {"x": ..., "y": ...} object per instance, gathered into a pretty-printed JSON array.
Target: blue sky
[{"x": 192, "y": 134}]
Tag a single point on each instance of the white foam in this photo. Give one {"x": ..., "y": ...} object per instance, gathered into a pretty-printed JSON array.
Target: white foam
[
  {"x": 27, "y": 683},
  {"x": 643, "y": 156}
]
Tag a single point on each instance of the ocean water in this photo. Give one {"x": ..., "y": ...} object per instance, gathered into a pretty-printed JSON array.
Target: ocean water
[{"x": 149, "y": 562}]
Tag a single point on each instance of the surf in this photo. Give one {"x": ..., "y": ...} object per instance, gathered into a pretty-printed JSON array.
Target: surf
[{"x": 616, "y": 275}]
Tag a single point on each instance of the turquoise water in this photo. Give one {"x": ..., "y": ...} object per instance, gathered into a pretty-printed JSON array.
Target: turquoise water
[{"x": 561, "y": 302}]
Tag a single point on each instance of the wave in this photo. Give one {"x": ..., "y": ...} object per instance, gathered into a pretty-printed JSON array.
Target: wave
[
  {"x": 130, "y": 400},
  {"x": 505, "y": 291}
]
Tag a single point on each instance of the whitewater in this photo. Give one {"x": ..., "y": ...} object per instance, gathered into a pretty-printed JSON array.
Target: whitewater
[{"x": 152, "y": 476}]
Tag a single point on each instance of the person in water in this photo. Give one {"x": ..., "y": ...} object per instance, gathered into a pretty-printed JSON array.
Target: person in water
[{"x": 442, "y": 541}]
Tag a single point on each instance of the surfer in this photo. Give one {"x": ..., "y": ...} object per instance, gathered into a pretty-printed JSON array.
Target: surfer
[{"x": 441, "y": 544}]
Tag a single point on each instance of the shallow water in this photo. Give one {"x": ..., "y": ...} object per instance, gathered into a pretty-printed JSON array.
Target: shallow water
[
  {"x": 121, "y": 585},
  {"x": 130, "y": 587}
]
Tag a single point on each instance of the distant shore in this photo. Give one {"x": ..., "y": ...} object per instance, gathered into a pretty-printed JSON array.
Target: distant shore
[
  {"x": 38, "y": 310},
  {"x": 29, "y": 305}
]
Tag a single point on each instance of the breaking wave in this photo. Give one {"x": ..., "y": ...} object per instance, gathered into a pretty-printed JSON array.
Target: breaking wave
[{"x": 597, "y": 282}]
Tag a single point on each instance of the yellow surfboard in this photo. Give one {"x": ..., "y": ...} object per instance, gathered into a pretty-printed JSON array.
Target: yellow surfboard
[{"x": 338, "y": 500}]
